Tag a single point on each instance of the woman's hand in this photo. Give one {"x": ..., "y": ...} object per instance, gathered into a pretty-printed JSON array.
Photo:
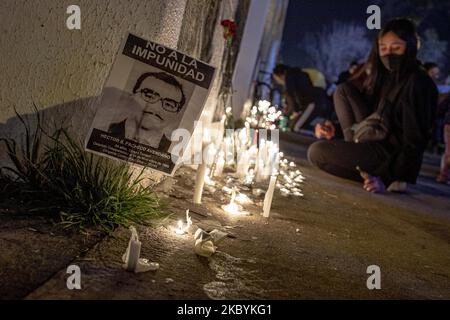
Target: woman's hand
[
  {"x": 326, "y": 130},
  {"x": 374, "y": 185}
]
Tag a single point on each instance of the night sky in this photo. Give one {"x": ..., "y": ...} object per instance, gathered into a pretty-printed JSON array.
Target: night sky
[{"x": 311, "y": 15}]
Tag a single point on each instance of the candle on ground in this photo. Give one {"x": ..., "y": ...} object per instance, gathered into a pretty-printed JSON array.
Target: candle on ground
[
  {"x": 133, "y": 255},
  {"x": 199, "y": 183},
  {"x": 180, "y": 228},
  {"x": 219, "y": 165},
  {"x": 269, "y": 196}
]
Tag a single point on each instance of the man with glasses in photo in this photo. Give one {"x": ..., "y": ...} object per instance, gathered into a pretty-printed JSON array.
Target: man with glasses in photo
[{"x": 161, "y": 99}]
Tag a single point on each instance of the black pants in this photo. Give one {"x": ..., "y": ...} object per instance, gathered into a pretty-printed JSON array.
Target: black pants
[{"x": 340, "y": 158}]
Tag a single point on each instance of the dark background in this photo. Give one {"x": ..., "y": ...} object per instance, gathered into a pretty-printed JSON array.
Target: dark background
[{"x": 310, "y": 16}]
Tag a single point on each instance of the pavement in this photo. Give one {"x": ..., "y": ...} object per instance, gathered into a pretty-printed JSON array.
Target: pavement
[{"x": 314, "y": 247}]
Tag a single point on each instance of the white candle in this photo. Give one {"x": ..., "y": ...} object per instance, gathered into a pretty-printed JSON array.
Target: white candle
[
  {"x": 209, "y": 154},
  {"x": 243, "y": 199},
  {"x": 285, "y": 192},
  {"x": 275, "y": 162},
  {"x": 269, "y": 197},
  {"x": 206, "y": 136},
  {"x": 243, "y": 164},
  {"x": 260, "y": 171},
  {"x": 133, "y": 255},
  {"x": 229, "y": 150},
  {"x": 208, "y": 180},
  {"x": 199, "y": 183},
  {"x": 188, "y": 219},
  {"x": 221, "y": 132},
  {"x": 180, "y": 228},
  {"x": 219, "y": 165},
  {"x": 227, "y": 190},
  {"x": 249, "y": 177}
]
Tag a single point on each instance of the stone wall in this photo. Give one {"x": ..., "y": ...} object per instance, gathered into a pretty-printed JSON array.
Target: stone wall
[
  {"x": 45, "y": 63},
  {"x": 63, "y": 71}
]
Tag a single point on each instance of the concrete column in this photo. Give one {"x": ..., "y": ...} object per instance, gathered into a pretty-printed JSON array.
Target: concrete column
[{"x": 248, "y": 53}]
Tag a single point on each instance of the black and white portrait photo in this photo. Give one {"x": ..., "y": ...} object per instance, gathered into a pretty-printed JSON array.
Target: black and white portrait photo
[
  {"x": 152, "y": 94},
  {"x": 149, "y": 110}
]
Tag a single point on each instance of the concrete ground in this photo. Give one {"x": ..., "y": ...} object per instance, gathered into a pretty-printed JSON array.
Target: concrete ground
[{"x": 315, "y": 247}]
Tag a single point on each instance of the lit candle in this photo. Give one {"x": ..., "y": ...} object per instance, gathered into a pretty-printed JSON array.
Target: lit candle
[
  {"x": 219, "y": 165},
  {"x": 188, "y": 219},
  {"x": 208, "y": 180},
  {"x": 199, "y": 182},
  {"x": 211, "y": 151},
  {"x": 233, "y": 208},
  {"x": 243, "y": 164},
  {"x": 285, "y": 192},
  {"x": 257, "y": 192},
  {"x": 229, "y": 157},
  {"x": 263, "y": 105},
  {"x": 180, "y": 229},
  {"x": 227, "y": 190},
  {"x": 275, "y": 160},
  {"x": 221, "y": 132},
  {"x": 206, "y": 136},
  {"x": 260, "y": 171},
  {"x": 269, "y": 196},
  {"x": 133, "y": 255},
  {"x": 243, "y": 199},
  {"x": 249, "y": 177}
]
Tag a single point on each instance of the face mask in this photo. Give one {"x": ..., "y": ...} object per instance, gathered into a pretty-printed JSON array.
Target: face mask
[{"x": 392, "y": 62}]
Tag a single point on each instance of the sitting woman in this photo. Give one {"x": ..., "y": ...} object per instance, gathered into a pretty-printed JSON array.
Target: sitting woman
[{"x": 404, "y": 98}]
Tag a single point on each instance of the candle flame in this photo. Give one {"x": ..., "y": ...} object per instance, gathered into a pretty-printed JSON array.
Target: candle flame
[
  {"x": 180, "y": 229},
  {"x": 188, "y": 219}
]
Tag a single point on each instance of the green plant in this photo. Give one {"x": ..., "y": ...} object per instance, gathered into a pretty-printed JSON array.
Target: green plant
[
  {"x": 26, "y": 158},
  {"x": 96, "y": 191},
  {"x": 82, "y": 189}
]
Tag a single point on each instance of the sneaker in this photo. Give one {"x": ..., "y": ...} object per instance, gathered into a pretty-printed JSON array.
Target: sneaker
[{"x": 398, "y": 186}]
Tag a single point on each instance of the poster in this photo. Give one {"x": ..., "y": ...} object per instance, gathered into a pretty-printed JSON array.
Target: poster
[{"x": 151, "y": 91}]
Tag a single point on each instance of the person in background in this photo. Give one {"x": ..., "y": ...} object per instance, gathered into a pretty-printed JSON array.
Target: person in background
[
  {"x": 296, "y": 84},
  {"x": 346, "y": 75},
  {"x": 444, "y": 176},
  {"x": 396, "y": 159},
  {"x": 433, "y": 71},
  {"x": 437, "y": 141},
  {"x": 304, "y": 101}
]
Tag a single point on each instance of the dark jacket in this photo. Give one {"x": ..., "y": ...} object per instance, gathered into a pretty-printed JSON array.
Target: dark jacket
[
  {"x": 412, "y": 116},
  {"x": 118, "y": 130},
  {"x": 297, "y": 85}
]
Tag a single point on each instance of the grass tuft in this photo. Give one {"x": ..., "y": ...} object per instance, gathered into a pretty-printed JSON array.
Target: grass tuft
[{"x": 82, "y": 189}]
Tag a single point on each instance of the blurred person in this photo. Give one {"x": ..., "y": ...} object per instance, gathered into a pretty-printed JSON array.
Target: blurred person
[
  {"x": 347, "y": 74},
  {"x": 304, "y": 101},
  {"x": 433, "y": 71},
  {"x": 296, "y": 84}
]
